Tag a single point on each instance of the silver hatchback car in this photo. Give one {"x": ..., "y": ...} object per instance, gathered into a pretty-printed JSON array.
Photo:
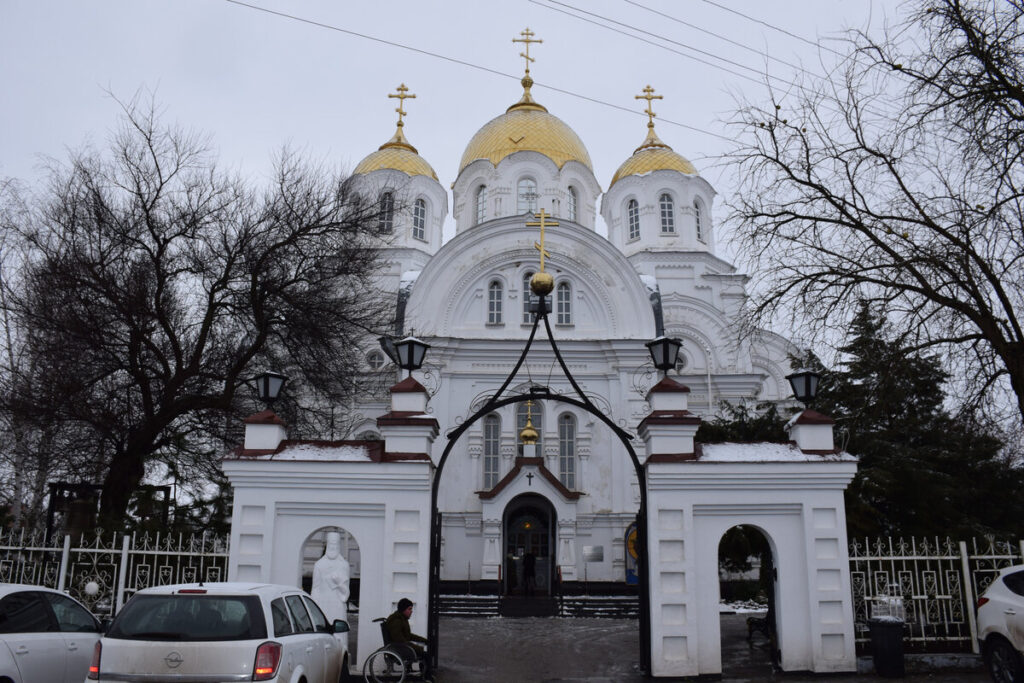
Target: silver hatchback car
[{"x": 221, "y": 632}]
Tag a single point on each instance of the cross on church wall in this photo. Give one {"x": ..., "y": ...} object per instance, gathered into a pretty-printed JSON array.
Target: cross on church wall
[{"x": 529, "y": 478}]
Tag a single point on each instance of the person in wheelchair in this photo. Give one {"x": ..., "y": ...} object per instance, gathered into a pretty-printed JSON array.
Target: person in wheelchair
[{"x": 399, "y": 633}]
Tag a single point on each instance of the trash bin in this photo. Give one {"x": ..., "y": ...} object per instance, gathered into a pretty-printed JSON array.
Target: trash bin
[{"x": 887, "y": 646}]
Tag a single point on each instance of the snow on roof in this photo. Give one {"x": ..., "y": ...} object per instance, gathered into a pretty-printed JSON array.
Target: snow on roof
[
  {"x": 765, "y": 452},
  {"x": 308, "y": 451}
]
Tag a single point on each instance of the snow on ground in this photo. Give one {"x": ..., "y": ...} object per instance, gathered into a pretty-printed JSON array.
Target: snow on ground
[{"x": 741, "y": 607}]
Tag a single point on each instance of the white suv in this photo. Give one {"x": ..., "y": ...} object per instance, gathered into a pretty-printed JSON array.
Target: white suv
[
  {"x": 1001, "y": 625},
  {"x": 221, "y": 632}
]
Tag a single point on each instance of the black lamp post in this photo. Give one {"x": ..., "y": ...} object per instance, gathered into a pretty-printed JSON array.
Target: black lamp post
[
  {"x": 805, "y": 385},
  {"x": 411, "y": 352},
  {"x": 268, "y": 386},
  {"x": 664, "y": 352}
]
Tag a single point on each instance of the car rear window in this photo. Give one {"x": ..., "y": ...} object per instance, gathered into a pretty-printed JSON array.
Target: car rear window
[
  {"x": 1015, "y": 582},
  {"x": 190, "y": 617}
]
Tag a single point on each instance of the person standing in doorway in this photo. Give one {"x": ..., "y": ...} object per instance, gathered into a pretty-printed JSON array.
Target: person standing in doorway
[{"x": 529, "y": 572}]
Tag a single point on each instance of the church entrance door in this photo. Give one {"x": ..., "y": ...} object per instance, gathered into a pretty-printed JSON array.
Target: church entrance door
[{"x": 529, "y": 561}]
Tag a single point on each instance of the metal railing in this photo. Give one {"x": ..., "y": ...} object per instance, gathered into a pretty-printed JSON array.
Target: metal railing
[
  {"x": 938, "y": 581},
  {"x": 102, "y": 571}
]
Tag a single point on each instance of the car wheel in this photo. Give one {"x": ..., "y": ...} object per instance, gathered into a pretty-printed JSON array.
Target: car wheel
[{"x": 1004, "y": 662}]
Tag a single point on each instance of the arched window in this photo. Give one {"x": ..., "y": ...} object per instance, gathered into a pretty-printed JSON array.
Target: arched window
[
  {"x": 481, "y": 205},
  {"x": 419, "y": 219},
  {"x": 526, "y": 196},
  {"x": 668, "y": 219},
  {"x": 492, "y": 442},
  {"x": 494, "y": 297},
  {"x": 564, "y": 303},
  {"x": 528, "y": 298},
  {"x": 573, "y": 199},
  {"x": 697, "y": 211},
  {"x": 567, "y": 450},
  {"x": 633, "y": 218},
  {"x": 386, "y": 218},
  {"x": 536, "y": 418}
]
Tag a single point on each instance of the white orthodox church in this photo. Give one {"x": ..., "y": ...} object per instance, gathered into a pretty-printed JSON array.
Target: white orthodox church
[{"x": 655, "y": 273}]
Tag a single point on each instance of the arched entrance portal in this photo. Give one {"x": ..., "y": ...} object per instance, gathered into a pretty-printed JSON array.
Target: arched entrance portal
[
  {"x": 747, "y": 587},
  {"x": 528, "y": 530}
]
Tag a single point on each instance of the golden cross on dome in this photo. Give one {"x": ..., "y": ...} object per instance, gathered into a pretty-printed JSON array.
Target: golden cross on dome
[
  {"x": 401, "y": 97},
  {"x": 649, "y": 95},
  {"x": 527, "y": 39},
  {"x": 544, "y": 222}
]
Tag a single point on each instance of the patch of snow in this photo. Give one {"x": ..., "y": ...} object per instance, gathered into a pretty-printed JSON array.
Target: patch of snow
[
  {"x": 887, "y": 619},
  {"x": 765, "y": 452},
  {"x": 323, "y": 453},
  {"x": 651, "y": 283},
  {"x": 408, "y": 280},
  {"x": 741, "y": 607}
]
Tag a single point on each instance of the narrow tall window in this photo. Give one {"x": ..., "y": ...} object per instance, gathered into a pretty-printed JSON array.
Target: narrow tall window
[
  {"x": 526, "y": 196},
  {"x": 481, "y": 205},
  {"x": 494, "y": 297},
  {"x": 536, "y": 418},
  {"x": 668, "y": 219},
  {"x": 386, "y": 219},
  {"x": 528, "y": 298},
  {"x": 633, "y": 218},
  {"x": 492, "y": 441},
  {"x": 419, "y": 220},
  {"x": 567, "y": 450},
  {"x": 572, "y": 204},
  {"x": 564, "y": 302},
  {"x": 697, "y": 210}
]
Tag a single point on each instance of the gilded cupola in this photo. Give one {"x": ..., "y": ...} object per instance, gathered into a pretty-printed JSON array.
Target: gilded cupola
[
  {"x": 653, "y": 154},
  {"x": 397, "y": 153}
]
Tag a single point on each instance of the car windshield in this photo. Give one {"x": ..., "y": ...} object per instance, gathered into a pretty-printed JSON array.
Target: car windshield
[{"x": 190, "y": 617}]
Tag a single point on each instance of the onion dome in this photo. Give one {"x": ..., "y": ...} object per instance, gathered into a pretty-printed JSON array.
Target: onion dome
[
  {"x": 526, "y": 126},
  {"x": 653, "y": 154},
  {"x": 397, "y": 153}
]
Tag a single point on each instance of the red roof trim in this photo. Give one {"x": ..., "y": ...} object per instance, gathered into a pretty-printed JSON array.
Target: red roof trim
[
  {"x": 406, "y": 418},
  {"x": 668, "y": 385},
  {"x": 670, "y": 417},
  {"x": 405, "y": 457},
  {"x": 672, "y": 457},
  {"x": 264, "y": 417},
  {"x": 408, "y": 386},
  {"x": 544, "y": 472},
  {"x": 374, "y": 449},
  {"x": 813, "y": 417}
]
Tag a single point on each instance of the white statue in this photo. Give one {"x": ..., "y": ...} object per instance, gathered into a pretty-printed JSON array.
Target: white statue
[{"x": 330, "y": 583}]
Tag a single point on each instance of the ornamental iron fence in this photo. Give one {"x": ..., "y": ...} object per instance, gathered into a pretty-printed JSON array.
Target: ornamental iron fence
[
  {"x": 935, "y": 582},
  {"x": 103, "y": 570}
]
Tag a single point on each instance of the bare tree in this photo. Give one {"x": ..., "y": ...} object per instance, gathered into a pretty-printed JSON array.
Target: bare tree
[
  {"x": 154, "y": 286},
  {"x": 900, "y": 183}
]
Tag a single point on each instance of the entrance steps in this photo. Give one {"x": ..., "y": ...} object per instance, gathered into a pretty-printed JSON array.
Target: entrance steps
[
  {"x": 582, "y": 606},
  {"x": 469, "y": 606},
  {"x": 601, "y": 606}
]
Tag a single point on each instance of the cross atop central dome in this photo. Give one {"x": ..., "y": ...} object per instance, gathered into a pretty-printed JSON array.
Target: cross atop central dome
[{"x": 526, "y": 126}]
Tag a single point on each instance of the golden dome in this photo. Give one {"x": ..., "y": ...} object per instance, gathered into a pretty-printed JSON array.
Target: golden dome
[
  {"x": 653, "y": 155},
  {"x": 399, "y": 155},
  {"x": 526, "y": 126}
]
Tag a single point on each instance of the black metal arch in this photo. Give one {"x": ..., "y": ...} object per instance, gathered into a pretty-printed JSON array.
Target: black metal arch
[{"x": 536, "y": 393}]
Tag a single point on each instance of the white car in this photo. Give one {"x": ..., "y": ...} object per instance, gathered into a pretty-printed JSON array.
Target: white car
[
  {"x": 1001, "y": 625},
  {"x": 44, "y": 635},
  {"x": 221, "y": 632}
]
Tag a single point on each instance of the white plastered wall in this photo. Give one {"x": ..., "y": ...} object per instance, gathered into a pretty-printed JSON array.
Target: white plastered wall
[
  {"x": 799, "y": 508},
  {"x": 385, "y": 506}
]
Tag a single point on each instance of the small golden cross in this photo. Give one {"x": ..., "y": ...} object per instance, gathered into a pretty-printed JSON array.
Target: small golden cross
[
  {"x": 649, "y": 95},
  {"x": 542, "y": 223},
  {"x": 527, "y": 39},
  {"x": 401, "y": 97}
]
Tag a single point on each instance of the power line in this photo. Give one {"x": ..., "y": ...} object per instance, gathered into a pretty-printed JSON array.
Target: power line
[
  {"x": 773, "y": 27},
  {"x": 460, "y": 62}
]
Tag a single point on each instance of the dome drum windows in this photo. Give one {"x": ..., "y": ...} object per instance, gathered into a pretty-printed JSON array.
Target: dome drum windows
[
  {"x": 668, "y": 219},
  {"x": 573, "y": 200},
  {"x": 495, "y": 297},
  {"x": 386, "y": 215},
  {"x": 481, "y": 205},
  {"x": 633, "y": 219},
  {"x": 698, "y": 218},
  {"x": 563, "y": 302},
  {"x": 419, "y": 220},
  {"x": 526, "y": 196}
]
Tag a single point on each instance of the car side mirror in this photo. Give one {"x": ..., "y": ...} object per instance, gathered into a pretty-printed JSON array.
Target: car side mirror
[{"x": 340, "y": 626}]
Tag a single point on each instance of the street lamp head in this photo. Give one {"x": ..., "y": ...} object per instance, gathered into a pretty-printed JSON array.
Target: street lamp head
[
  {"x": 411, "y": 352},
  {"x": 269, "y": 385},
  {"x": 664, "y": 352},
  {"x": 805, "y": 384}
]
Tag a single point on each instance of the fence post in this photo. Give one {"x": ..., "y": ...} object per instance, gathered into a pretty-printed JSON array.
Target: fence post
[
  {"x": 968, "y": 584},
  {"x": 122, "y": 574},
  {"x": 64, "y": 557}
]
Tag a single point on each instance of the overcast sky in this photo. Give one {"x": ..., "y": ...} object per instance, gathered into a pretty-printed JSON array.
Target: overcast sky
[{"x": 255, "y": 81}]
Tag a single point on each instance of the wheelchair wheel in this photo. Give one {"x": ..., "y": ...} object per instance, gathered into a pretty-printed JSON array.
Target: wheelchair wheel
[{"x": 384, "y": 666}]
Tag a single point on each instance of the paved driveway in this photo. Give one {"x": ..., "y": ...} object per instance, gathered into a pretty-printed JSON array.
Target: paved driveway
[{"x": 598, "y": 650}]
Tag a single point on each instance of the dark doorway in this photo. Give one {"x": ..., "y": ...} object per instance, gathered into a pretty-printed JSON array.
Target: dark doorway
[
  {"x": 529, "y": 560},
  {"x": 747, "y": 588}
]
